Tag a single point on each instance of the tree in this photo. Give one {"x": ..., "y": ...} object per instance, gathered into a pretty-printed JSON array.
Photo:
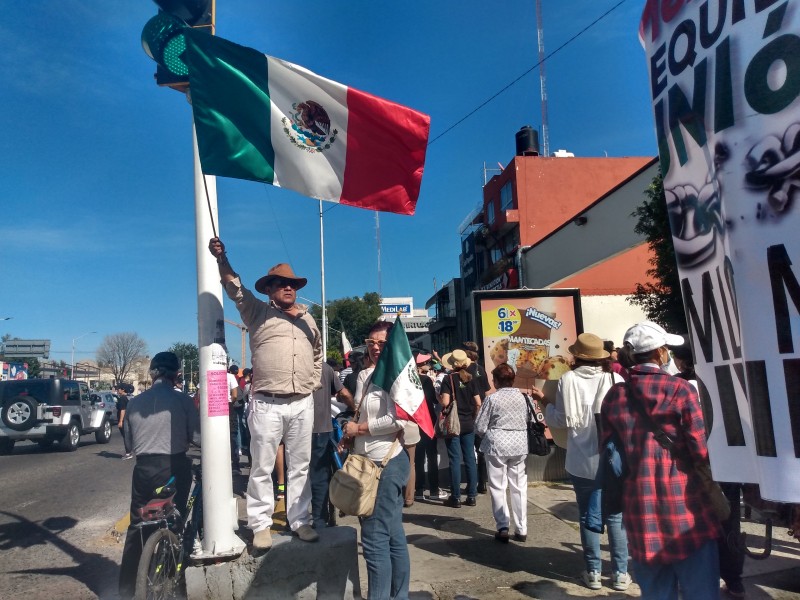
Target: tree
[
  {"x": 189, "y": 356},
  {"x": 353, "y": 315},
  {"x": 118, "y": 353},
  {"x": 661, "y": 301}
]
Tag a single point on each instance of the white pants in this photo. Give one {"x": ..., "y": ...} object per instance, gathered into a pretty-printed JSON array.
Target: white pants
[
  {"x": 272, "y": 420},
  {"x": 508, "y": 471}
]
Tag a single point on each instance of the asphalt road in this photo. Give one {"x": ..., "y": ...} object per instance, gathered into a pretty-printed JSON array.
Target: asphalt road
[{"x": 58, "y": 512}]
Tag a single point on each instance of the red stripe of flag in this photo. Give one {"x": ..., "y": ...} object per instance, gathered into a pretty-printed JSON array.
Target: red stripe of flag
[{"x": 386, "y": 144}]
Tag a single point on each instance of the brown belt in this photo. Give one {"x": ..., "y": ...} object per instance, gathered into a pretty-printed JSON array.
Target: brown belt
[{"x": 283, "y": 396}]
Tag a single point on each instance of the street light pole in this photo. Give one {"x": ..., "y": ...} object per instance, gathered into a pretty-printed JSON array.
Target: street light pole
[{"x": 72, "y": 360}]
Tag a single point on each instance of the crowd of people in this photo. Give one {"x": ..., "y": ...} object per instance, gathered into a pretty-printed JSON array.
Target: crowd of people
[{"x": 637, "y": 404}]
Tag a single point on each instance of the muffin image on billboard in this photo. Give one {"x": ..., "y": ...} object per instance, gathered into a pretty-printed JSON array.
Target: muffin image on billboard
[{"x": 528, "y": 349}]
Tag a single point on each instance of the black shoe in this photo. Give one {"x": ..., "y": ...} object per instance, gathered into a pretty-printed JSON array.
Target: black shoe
[
  {"x": 453, "y": 502},
  {"x": 471, "y": 502},
  {"x": 502, "y": 535},
  {"x": 735, "y": 589},
  {"x": 518, "y": 537},
  {"x": 481, "y": 488}
]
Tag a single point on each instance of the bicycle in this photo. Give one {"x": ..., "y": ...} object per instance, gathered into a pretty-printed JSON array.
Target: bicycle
[
  {"x": 337, "y": 459},
  {"x": 160, "y": 574}
]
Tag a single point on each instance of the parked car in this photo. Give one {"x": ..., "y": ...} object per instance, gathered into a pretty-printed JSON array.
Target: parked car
[
  {"x": 109, "y": 402},
  {"x": 51, "y": 410}
]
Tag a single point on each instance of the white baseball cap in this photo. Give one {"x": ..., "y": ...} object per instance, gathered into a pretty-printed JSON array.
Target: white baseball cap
[{"x": 647, "y": 336}]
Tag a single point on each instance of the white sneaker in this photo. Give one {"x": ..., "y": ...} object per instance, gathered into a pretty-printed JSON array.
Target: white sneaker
[
  {"x": 592, "y": 580},
  {"x": 127, "y": 456},
  {"x": 442, "y": 495},
  {"x": 620, "y": 581}
]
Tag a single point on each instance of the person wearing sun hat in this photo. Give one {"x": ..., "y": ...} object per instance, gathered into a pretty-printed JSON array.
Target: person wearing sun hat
[
  {"x": 462, "y": 387},
  {"x": 287, "y": 367},
  {"x": 672, "y": 530},
  {"x": 578, "y": 398}
]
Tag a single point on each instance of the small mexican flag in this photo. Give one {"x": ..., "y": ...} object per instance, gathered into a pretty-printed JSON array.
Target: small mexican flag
[
  {"x": 265, "y": 119},
  {"x": 396, "y": 372}
]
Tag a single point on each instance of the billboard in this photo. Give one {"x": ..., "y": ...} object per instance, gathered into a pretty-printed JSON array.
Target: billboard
[
  {"x": 26, "y": 349},
  {"x": 725, "y": 84},
  {"x": 13, "y": 371},
  {"x": 528, "y": 329}
]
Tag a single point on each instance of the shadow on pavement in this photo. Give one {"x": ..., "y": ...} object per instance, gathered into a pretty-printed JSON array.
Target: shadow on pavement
[
  {"x": 25, "y": 533},
  {"x": 476, "y": 544}
]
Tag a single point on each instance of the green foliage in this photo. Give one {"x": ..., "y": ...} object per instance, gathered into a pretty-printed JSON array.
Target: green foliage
[
  {"x": 190, "y": 355},
  {"x": 661, "y": 301},
  {"x": 353, "y": 315},
  {"x": 335, "y": 355}
]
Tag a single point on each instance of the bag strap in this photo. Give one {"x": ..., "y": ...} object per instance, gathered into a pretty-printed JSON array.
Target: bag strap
[
  {"x": 663, "y": 439},
  {"x": 391, "y": 450},
  {"x": 532, "y": 411},
  {"x": 529, "y": 407},
  {"x": 367, "y": 381},
  {"x": 452, "y": 394}
]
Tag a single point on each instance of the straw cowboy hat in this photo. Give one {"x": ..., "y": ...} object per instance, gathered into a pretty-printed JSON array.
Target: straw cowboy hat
[
  {"x": 279, "y": 271},
  {"x": 588, "y": 347},
  {"x": 457, "y": 359}
]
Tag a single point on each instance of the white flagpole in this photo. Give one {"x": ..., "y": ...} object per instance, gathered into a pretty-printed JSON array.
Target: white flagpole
[
  {"x": 219, "y": 504},
  {"x": 322, "y": 274}
]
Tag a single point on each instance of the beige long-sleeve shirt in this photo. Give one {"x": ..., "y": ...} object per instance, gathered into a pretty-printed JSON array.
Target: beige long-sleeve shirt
[{"x": 286, "y": 350}]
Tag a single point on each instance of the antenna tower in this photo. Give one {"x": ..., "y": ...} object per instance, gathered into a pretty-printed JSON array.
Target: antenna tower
[{"x": 542, "y": 80}]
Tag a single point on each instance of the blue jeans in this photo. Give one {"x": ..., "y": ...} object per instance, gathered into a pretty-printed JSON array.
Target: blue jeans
[
  {"x": 319, "y": 471},
  {"x": 617, "y": 538},
  {"x": 462, "y": 446},
  {"x": 383, "y": 538},
  {"x": 697, "y": 575}
]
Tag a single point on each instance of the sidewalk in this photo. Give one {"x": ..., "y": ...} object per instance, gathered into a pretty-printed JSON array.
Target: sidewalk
[{"x": 454, "y": 555}]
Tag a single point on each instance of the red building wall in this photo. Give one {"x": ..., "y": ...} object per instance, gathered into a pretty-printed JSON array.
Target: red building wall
[{"x": 550, "y": 191}]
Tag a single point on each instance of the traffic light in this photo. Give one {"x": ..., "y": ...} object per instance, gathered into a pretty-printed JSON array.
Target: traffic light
[{"x": 164, "y": 42}]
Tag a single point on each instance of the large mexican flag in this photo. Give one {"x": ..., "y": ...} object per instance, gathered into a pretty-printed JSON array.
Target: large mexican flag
[{"x": 265, "y": 119}]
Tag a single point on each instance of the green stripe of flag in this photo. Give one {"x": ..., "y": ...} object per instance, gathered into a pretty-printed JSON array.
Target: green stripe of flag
[
  {"x": 229, "y": 89},
  {"x": 394, "y": 357}
]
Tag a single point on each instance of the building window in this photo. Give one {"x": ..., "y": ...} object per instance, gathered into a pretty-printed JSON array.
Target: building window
[
  {"x": 506, "y": 197},
  {"x": 490, "y": 212},
  {"x": 497, "y": 254}
]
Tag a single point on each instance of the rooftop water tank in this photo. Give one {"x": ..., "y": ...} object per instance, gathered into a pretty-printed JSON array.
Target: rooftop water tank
[{"x": 527, "y": 141}]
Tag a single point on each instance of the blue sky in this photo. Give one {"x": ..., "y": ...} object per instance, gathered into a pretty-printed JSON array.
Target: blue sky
[{"x": 97, "y": 231}]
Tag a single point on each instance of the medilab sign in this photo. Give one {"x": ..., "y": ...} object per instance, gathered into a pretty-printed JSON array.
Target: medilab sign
[{"x": 725, "y": 81}]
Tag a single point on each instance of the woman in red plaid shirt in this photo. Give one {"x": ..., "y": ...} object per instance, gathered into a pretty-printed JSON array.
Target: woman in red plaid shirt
[{"x": 671, "y": 528}]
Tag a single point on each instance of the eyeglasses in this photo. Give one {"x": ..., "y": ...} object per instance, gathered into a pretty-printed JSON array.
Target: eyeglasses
[
  {"x": 282, "y": 283},
  {"x": 371, "y": 342}
]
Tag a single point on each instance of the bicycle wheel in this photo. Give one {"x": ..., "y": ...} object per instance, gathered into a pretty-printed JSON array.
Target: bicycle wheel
[
  {"x": 330, "y": 510},
  {"x": 158, "y": 577}
]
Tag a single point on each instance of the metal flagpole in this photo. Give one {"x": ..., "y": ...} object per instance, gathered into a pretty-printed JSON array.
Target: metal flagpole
[
  {"x": 322, "y": 274},
  {"x": 378, "y": 239}
]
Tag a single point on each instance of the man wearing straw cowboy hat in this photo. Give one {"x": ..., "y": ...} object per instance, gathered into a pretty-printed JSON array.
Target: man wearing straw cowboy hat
[{"x": 286, "y": 351}]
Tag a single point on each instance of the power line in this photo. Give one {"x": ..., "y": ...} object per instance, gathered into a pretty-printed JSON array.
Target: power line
[{"x": 515, "y": 81}]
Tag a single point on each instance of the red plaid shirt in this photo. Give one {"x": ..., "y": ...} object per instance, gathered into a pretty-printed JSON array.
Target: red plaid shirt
[{"x": 665, "y": 511}]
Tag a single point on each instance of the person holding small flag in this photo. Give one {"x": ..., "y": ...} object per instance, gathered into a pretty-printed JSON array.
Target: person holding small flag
[
  {"x": 388, "y": 395},
  {"x": 376, "y": 434}
]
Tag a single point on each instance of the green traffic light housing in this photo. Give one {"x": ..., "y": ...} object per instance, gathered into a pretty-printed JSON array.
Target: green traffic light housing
[{"x": 164, "y": 41}]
